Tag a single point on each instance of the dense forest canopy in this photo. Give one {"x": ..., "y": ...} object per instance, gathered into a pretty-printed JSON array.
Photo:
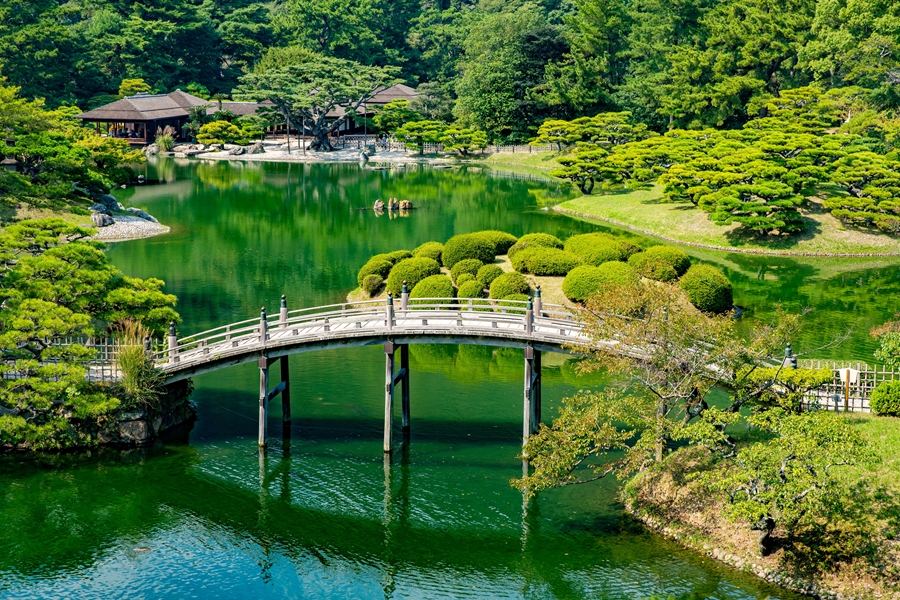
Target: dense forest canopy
[{"x": 506, "y": 65}]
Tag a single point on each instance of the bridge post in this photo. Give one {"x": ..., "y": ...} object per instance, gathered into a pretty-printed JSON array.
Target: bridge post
[
  {"x": 404, "y": 298},
  {"x": 404, "y": 384},
  {"x": 536, "y": 391},
  {"x": 286, "y": 392},
  {"x": 263, "y": 326},
  {"x": 529, "y": 317},
  {"x": 537, "y": 302},
  {"x": 531, "y": 414},
  {"x": 283, "y": 315},
  {"x": 263, "y": 364},
  {"x": 389, "y": 312},
  {"x": 173, "y": 343},
  {"x": 388, "y": 396}
]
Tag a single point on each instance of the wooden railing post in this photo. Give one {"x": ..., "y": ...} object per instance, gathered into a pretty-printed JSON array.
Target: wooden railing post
[
  {"x": 173, "y": 343},
  {"x": 404, "y": 297},
  {"x": 263, "y": 326},
  {"x": 537, "y": 302},
  {"x": 529, "y": 317},
  {"x": 283, "y": 315},
  {"x": 389, "y": 312}
]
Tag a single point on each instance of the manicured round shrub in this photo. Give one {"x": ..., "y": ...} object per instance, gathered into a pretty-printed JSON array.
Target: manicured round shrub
[
  {"x": 596, "y": 248},
  {"x": 544, "y": 240},
  {"x": 488, "y": 273},
  {"x": 434, "y": 286},
  {"x": 583, "y": 282},
  {"x": 463, "y": 278},
  {"x": 398, "y": 255},
  {"x": 885, "y": 399},
  {"x": 513, "y": 307},
  {"x": 377, "y": 265},
  {"x": 413, "y": 270},
  {"x": 652, "y": 267},
  {"x": 372, "y": 284},
  {"x": 508, "y": 284},
  {"x": 470, "y": 289},
  {"x": 707, "y": 289},
  {"x": 468, "y": 265},
  {"x": 676, "y": 257},
  {"x": 461, "y": 247},
  {"x": 501, "y": 240},
  {"x": 544, "y": 261},
  {"x": 430, "y": 250}
]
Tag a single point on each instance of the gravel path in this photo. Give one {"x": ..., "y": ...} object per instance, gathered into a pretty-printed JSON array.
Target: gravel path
[{"x": 129, "y": 228}]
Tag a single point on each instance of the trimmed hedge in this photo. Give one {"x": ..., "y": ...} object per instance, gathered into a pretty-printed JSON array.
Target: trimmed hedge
[
  {"x": 708, "y": 289},
  {"x": 372, "y": 284},
  {"x": 488, "y": 273},
  {"x": 377, "y": 265},
  {"x": 598, "y": 248},
  {"x": 471, "y": 289},
  {"x": 463, "y": 278},
  {"x": 513, "y": 308},
  {"x": 583, "y": 282},
  {"x": 413, "y": 270},
  {"x": 652, "y": 267},
  {"x": 468, "y": 265},
  {"x": 508, "y": 284},
  {"x": 461, "y": 247},
  {"x": 434, "y": 286},
  {"x": 676, "y": 257},
  {"x": 544, "y": 261},
  {"x": 543, "y": 240},
  {"x": 885, "y": 399},
  {"x": 501, "y": 240},
  {"x": 430, "y": 250},
  {"x": 398, "y": 255}
]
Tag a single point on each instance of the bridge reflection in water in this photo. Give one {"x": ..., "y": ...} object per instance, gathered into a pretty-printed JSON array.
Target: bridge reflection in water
[{"x": 530, "y": 325}]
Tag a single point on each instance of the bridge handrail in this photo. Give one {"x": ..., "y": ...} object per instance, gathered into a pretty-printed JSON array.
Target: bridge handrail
[{"x": 507, "y": 311}]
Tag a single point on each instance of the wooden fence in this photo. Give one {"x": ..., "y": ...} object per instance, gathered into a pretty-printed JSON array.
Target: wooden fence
[
  {"x": 851, "y": 385},
  {"x": 359, "y": 142}
]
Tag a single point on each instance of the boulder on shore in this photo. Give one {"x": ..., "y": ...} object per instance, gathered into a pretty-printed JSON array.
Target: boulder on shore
[
  {"x": 151, "y": 150},
  {"x": 109, "y": 201},
  {"x": 256, "y": 148},
  {"x": 101, "y": 219},
  {"x": 100, "y": 208},
  {"x": 237, "y": 151},
  {"x": 142, "y": 214}
]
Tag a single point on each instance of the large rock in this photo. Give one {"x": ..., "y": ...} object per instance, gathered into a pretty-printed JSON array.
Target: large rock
[
  {"x": 237, "y": 151},
  {"x": 230, "y": 147},
  {"x": 256, "y": 148},
  {"x": 101, "y": 219},
  {"x": 142, "y": 214},
  {"x": 100, "y": 208},
  {"x": 215, "y": 147},
  {"x": 151, "y": 150},
  {"x": 109, "y": 201}
]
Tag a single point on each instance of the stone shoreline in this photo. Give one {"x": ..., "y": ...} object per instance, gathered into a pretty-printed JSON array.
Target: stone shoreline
[{"x": 127, "y": 227}]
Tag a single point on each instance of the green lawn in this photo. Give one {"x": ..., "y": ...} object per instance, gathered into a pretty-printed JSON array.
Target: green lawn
[
  {"x": 535, "y": 163},
  {"x": 644, "y": 211}
]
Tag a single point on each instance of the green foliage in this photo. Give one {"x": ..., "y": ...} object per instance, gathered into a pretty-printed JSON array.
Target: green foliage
[
  {"x": 488, "y": 273},
  {"x": 785, "y": 388},
  {"x": 544, "y": 261},
  {"x": 885, "y": 399},
  {"x": 661, "y": 263},
  {"x": 708, "y": 289},
  {"x": 585, "y": 281},
  {"x": 467, "y": 246},
  {"x": 468, "y": 265},
  {"x": 464, "y": 277},
  {"x": 394, "y": 115},
  {"x": 470, "y": 289},
  {"x": 872, "y": 183},
  {"x": 434, "y": 286},
  {"x": 133, "y": 87},
  {"x": 501, "y": 240},
  {"x": 372, "y": 284},
  {"x": 411, "y": 270},
  {"x": 543, "y": 240},
  {"x": 675, "y": 257},
  {"x": 165, "y": 141},
  {"x": 416, "y": 134},
  {"x": 220, "y": 132},
  {"x": 508, "y": 284},
  {"x": 430, "y": 250},
  {"x": 398, "y": 255},
  {"x": 512, "y": 303},
  {"x": 463, "y": 140},
  {"x": 596, "y": 248},
  {"x": 377, "y": 265},
  {"x": 142, "y": 382}
]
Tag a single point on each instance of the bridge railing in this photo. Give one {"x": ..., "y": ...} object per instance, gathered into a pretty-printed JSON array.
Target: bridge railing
[{"x": 252, "y": 332}]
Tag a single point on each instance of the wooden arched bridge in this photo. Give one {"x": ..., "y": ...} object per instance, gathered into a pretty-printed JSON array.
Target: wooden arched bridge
[{"x": 532, "y": 326}]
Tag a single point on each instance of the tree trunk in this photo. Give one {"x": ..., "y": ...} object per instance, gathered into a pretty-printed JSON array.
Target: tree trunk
[{"x": 765, "y": 527}]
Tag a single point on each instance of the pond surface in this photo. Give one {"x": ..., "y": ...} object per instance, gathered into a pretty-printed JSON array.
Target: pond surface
[{"x": 322, "y": 515}]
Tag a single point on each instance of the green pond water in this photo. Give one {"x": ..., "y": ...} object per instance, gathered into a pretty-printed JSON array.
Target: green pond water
[{"x": 323, "y": 515}]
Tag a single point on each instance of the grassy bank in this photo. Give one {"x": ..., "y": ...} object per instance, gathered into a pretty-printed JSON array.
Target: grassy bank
[
  {"x": 536, "y": 163},
  {"x": 643, "y": 211},
  {"x": 846, "y": 559}
]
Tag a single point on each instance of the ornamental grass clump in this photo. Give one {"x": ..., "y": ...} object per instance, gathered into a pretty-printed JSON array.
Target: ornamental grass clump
[
  {"x": 488, "y": 273},
  {"x": 586, "y": 280},
  {"x": 598, "y": 248},
  {"x": 886, "y": 399},
  {"x": 411, "y": 270},
  {"x": 544, "y": 261},
  {"x": 430, "y": 250},
  {"x": 467, "y": 246},
  {"x": 543, "y": 240},
  {"x": 435, "y": 286},
  {"x": 708, "y": 289},
  {"x": 141, "y": 381},
  {"x": 468, "y": 265},
  {"x": 508, "y": 284},
  {"x": 501, "y": 240}
]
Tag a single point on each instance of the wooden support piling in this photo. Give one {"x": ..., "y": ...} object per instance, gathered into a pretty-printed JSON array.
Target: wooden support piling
[
  {"x": 286, "y": 394},
  {"x": 263, "y": 364},
  {"x": 404, "y": 385},
  {"x": 388, "y": 396},
  {"x": 527, "y": 407}
]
